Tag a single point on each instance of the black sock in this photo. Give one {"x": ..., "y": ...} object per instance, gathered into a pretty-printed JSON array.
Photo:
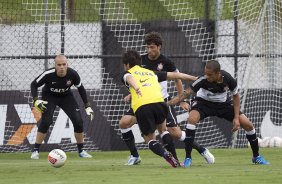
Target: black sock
[
  {"x": 254, "y": 144},
  {"x": 169, "y": 145},
  {"x": 36, "y": 147},
  {"x": 129, "y": 140},
  {"x": 80, "y": 147},
  {"x": 190, "y": 136},
  {"x": 156, "y": 148},
  {"x": 198, "y": 147}
]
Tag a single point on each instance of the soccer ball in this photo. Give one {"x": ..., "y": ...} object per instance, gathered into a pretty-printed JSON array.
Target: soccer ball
[
  {"x": 275, "y": 142},
  {"x": 57, "y": 158},
  {"x": 265, "y": 142}
]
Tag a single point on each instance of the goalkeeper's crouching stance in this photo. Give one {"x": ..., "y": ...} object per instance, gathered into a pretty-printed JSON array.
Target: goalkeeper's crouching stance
[{"x": 57, "y": 83}]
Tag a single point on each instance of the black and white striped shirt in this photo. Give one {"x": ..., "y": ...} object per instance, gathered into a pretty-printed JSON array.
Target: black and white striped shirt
[{"x": 214, "y": 91}]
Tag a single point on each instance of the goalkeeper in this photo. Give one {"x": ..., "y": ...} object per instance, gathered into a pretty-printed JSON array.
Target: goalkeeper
[{"x": 57, "y": 83}]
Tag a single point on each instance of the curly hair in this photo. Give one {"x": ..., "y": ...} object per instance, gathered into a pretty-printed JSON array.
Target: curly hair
[{"x": 153, "y": 38}]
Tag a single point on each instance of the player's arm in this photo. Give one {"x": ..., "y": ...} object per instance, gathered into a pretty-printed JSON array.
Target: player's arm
[
  {"x": 37, "y": 103},
  {"x": 236, "y": 106},
  {"x": 182, "y": 76},
  {"x": 82, "y": 92},
  {"x": 179, "y": 98},
  {"x": 178, "y": 84},
  {"x": 132, "y": 82}
]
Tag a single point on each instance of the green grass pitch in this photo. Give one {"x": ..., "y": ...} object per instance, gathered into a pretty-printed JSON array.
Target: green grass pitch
[{"x": 232, "y": 166}]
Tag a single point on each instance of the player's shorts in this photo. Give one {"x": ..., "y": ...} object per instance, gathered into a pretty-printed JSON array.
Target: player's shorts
[
  {"x": 171, "y": 120},
  {"x": 148, "y": 116},
  {"x": 129, "y": 112},
  {"x": 221, "y": 110}
]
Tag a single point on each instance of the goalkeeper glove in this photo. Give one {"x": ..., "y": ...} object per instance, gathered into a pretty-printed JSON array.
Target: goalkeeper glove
[
  {"x": 89, "y": 111},
  {"x": 40, "y": 105}
]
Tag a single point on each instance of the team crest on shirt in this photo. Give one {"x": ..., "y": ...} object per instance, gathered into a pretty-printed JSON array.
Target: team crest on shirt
[
  {"x": 160, "y": 67},
  {"x": 68, "y": 82}
]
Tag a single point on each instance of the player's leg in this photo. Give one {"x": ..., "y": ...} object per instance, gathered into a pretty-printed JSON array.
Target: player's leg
[
  {"x": 193, "y": 119},
  {"x": 71, "y": 108},
  {"x": 125, "y": 124},
  {"x": 44, "y": 124},
  {"x": 176, "y": 132},
  {"x": 149, "y": 117},
  {"x": 247, "y": 125}
]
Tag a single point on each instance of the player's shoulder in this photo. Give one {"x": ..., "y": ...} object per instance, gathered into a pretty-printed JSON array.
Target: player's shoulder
[
  {"x": 199, "y": 80},
  {"x": 165, "y": 59},
  {"x": 49, "y": 71},
  {"x": 72, "y": 71},
  {"x": 226, "y": 75}
]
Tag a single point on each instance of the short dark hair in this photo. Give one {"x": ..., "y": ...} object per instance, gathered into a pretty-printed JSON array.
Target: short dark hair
[
  {"x": 131, "y": 57},
  {"x": 153, "y": 38},
  {"x": 213, "y": 65}
]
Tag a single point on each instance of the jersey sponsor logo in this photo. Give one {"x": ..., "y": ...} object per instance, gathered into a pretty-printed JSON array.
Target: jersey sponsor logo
[
  {"x": 60, "y": 90},
  {"x": 160, "y": 67},
  {"x": 68, "y": 82},
  {"x": 143, "y": 73},
  {"x": 142, "y": 81}
]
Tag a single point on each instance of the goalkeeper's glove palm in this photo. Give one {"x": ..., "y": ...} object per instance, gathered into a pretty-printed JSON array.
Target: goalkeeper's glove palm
[{"x": 40, "y": 105}]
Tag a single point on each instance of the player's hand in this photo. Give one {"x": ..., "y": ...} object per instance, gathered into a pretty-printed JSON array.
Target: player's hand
[
  {"x": 127, "y": 98},
  {"x": 89, "y": 112},
  {"x": 236, "y": 125},
  {"x": 138, "y": 92},
  {"x": 184, "y": 106},
  {"x": 40, "y": 105}
]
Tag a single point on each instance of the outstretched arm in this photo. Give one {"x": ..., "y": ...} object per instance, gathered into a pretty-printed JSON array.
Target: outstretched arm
[
  {"x": 179, "y": 98},
  {"x": 182, "y": 76}
]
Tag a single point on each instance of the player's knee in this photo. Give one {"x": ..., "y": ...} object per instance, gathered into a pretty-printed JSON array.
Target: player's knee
[
  {"x": 175, "y": 132},
  {"x": 78, "y": 126},
  {"x": 248, "y": 126},
  {"x": 43, "y": 127},
  {"x": 126, "y": 122}
]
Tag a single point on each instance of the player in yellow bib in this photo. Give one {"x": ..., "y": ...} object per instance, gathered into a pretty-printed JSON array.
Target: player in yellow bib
[{"x": 148, "y": 104}]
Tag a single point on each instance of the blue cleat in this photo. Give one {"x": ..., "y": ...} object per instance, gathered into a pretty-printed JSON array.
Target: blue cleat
[
  {"x": 260, "y": 160},
  {"x": 187, "y": 162}
]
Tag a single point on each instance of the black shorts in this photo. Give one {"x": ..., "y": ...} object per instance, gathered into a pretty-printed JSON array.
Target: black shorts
[
  {"x": 221, "y": 110},
  {"x": 148, "y": 116},
  {"x": 171, "y": 120}
]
